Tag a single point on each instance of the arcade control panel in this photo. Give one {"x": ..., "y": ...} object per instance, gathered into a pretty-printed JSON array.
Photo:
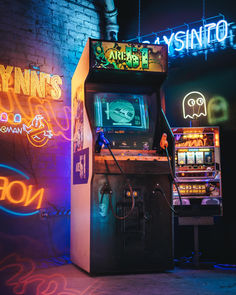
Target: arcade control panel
[{"x": 132, "y": 161}]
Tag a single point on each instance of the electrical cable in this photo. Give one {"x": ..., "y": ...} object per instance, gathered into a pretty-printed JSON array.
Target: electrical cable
[
  {"x": 130, "y": 189},
  {"x": 203, "y": 9},
  {"x": 173, "y": 178},
  {"x": 159, "y": 188},
  {"x": 139, "y": 20},
  {"x": 102, "y": 140},
  {"x": 225, "y": 266}
]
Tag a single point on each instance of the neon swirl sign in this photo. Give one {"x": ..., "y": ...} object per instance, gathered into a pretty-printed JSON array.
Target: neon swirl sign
[{"x": 24, "y": 277}]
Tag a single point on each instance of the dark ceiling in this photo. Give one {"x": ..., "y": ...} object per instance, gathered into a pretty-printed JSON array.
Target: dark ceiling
[{"x": 160, "y": 15}]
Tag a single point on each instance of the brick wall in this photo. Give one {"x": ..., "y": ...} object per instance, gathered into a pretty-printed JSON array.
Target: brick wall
[
  {"x": 45, "y": 36},
  {"x": 48, "y": 33}
]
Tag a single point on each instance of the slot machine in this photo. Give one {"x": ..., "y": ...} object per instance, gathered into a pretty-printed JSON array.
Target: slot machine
[
  {"x": 198, "y": 171},
  {"x": 121, "y": 189}
]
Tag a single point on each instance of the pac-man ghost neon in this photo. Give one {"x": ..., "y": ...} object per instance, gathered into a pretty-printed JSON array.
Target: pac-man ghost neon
[
  {"x": 218, "y": 110},
  {"x": 194, "y": 105}
]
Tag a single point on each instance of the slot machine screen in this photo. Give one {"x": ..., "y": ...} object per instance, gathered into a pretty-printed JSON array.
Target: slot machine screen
[
  {"x": 181, "y": 158},
  {"x": 190, "y": 158},
  {"x": 195, "y": 157},
  {"x": 121, "y": 111},
  {"x": 199, "y": 158}
]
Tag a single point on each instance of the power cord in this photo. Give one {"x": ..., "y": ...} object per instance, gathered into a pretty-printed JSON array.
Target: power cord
[
  {"x": 164, "y": 146},
  {"x": 160, "y": 189},
  {"x": 102, "y": 140},
  {"x": 173, "y": 178}
]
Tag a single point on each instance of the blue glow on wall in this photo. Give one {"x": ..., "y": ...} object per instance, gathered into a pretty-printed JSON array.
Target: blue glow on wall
[{"x": 15, "y": 170}]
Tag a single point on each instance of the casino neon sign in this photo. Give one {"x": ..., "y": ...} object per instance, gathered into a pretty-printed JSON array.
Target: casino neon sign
[
  {"x": 184, "y": 40},
  {"x": 201, "y": 36}
]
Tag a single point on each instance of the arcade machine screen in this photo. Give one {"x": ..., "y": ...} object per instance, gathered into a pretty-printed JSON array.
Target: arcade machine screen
[
  {"x": 121, "y": 111},
  {"x": 124, "y": 118}
]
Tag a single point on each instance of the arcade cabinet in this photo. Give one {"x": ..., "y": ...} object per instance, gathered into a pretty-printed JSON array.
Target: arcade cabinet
[{"x": 121, "y": 190}]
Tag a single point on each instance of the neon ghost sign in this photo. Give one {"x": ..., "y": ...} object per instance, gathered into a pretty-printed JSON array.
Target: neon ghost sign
[
  {"x": 218, "y": 110},
  {"x": 37, "y": 130},
  {"x": 194, "y": 105}
]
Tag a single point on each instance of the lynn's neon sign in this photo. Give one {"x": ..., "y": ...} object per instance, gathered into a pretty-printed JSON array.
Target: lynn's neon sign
[{"x": 30, "y": 83}]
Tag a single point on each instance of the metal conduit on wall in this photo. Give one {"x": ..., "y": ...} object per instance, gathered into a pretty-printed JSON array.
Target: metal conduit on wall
[{"x": 112, "y": 27}]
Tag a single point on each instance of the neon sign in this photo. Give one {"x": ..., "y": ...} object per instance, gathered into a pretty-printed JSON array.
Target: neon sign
[
  {"x": 194, "y": 38},
  {"x": 37, "y": 131},
  {"x": 4, "y": 117},
  {"x": 25, "y": 196},
  {"x": 30, "y": 83},
  {"x": 201, "y": 37},
  {"x": 194, "y": 105},
  {"x": 19, "y": 194},
  {"x": 15, "y": 110},
  {"x": 218, "y": 110},
  {"x": 22, "y": 277}
]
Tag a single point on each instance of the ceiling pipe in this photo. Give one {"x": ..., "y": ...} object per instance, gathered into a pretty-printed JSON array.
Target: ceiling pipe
[{"x": 112, "y": 27}]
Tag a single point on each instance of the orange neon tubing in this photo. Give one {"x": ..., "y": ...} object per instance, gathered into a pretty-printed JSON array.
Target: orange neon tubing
[{"x": 24, "y": 192}]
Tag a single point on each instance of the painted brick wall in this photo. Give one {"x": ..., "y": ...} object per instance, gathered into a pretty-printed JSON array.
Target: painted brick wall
[
  {"x": 45, "y": 36},
  {"x": 48, "y": 33}
]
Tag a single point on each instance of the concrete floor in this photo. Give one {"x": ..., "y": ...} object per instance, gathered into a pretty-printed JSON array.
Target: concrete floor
[{"x": 24, "y": 276}]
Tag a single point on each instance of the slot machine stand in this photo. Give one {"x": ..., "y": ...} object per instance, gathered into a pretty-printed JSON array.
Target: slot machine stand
[{"x": 196, "y": 221}]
